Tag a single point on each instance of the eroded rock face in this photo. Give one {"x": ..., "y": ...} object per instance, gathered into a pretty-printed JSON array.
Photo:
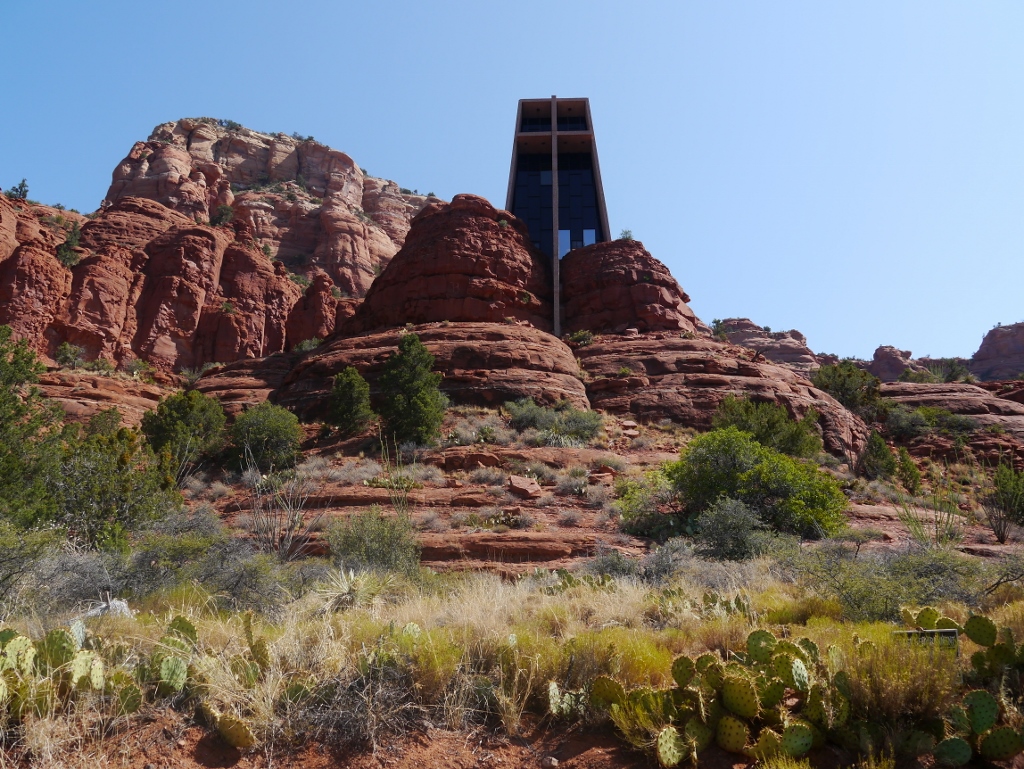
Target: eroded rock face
[
  {"x": 246, "y": 383},
  {"x": 686, "y": 379},
  {"x": 463, "y": 261},
  {"x": 788, "y": 348},
  {"x": 483, "y": 364},
  {"x": 1001, "y": 355},
  {"x": 82, "y": 395},
  {"x": 617, "y": 285},
  {"x": 985, "y": 408},
  {"x": 315, "y": 314},
  {"x": 309, "y": 205},
  {"x": 889, "y": 363}
]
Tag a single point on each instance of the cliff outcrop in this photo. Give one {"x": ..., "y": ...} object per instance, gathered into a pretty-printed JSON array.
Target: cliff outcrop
[
  {"x": 788, "y": 348},
  {"x": 463, "y": 261},
  {"x": 617, "y": 285},
  {"x": 1001, "y": 355}
]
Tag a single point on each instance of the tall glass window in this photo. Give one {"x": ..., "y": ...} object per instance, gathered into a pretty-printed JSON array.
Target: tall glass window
[
  {"x": 589, "y": 237},
  {"x": 564, "y": 243}
]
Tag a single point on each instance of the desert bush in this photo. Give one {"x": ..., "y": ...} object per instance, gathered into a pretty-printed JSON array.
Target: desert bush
[
  {"x": 904, "y": 424},
  {"x": 306, "y": 345},
  {"x": 788, "y": 495},
  {"x": 572, "y": 481},
  {"x": 222, "y": 215},
  {"x": 411, "y": 404},
  {"x": 612, "y": 461},
  {"x": 488, "y": 476},
  {"x": 907, "y": 472},
  {"x": 350, "y": 402},
  {"x": 69, "y": 355},
  {"x": 729, "y": 531},
  {"x": 375, "y": 541},
  {"x": 560, "y": 426},
  {"x": 420, "y": 473},
  {"x": 581, "y": 338},
  {"x": 186, "y": 425},
  {"x": 639, "y": 503},
  {"x": 569, "y": 519},
  {"x": 855, "y": 388},
  {"x": 877, "y": 461},
  {"x": 771, "y": 426},
  {"x": 355, "y": 473},
  {"x": 66, "y": 254},
  {"x": 1008, "y": 491},
  {"x": 270, "y": 435},
  {"x": 596, "y": 495}
]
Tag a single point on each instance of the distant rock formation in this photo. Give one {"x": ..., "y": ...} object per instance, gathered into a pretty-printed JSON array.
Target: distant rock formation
[
  {"x": 888, "y": 363},
  {"x": 786, "y": 347},
  {"x": 1001, "y": 355}
]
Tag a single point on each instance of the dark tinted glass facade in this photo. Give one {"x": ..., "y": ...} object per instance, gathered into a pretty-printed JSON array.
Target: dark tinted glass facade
[
  {"x": 577, "y": 200},
  {"x": 533, "y": 199}
]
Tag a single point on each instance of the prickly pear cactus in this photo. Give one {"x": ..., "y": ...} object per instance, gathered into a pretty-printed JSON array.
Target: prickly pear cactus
[
  {"x": 173, "y": 675},
  {"x": 20, "y": 655},
  {"x": 683, "y": 671},
  {"x": 181, "y": 627},
  {"x": 768, "y": 745},
  {"x": 761, "y": 646},
  {"x": 981, "y": 630},
  {"x": 235, "y": 732},
  {"x": 670, "y": 747},
  {"x": 770, "y": 691},
  {"x": 1001, "y": 744},
  {"x": 698, "y": 735},
  {"x": 927, "y": 617},
  {"x": 555, "y": 704},
  {"x": 605, "y": 691},
  {"x": 954, "y": 751},
  {"x": 732, "y": 734},
  {"x": 56, "y": 650},
  {"x": 982, "y": 710},
  {"x": 797, "y": 739},
  {"x": 946, "y": 623},
  {"x": 1000, "y": 655},
  {"x": 739, "y": 695}
]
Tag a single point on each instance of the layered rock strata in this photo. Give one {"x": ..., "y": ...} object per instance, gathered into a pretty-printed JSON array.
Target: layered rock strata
[
  {"x": 662, "y": 376},
  {"x": 1001, "y": 355},
  {"x": 788, "y": 348}
]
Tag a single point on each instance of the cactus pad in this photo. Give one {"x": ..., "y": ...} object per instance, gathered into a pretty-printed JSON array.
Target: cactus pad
[
  {"x": 704, "y": 661},
  {"x": 768, "y": 745},
  {"x": 927, "y": 617},
  {"x": 235, "y": 732},
  {"x": 761, "y": 646},
  {"x": 129, "y": 699},
  {"x": 555, "y": 699},
  {"x": 81, "y": 669},
  {"x": 908, "y": 617},
  {"x": 945, "y": 623},
  {"x": 57, "y": 649},
  {"x": 1001, "y": 744},
  {"x": 770, "y": 691},
  {"x": 181, "y": 627},
  {"x": 683, "y": 671},
  {"x": 173, "y": 674},
  {"x": 739, "y": 695},
  {"x": 981, "y": 630},
  {"x": 732, "y": 734},
  {"x": 797, "y": 739},
  {"x": 20, "y": 655},
  {"x": 982, "y": 710},
  {"x": 814, "y": 709},
  {"x": 714, "y": 675},
  {"x": 670, "y": 747},
  {"x": 698, "y": 735},
  {"x": 605, "y": 691},
  {"x": 952, "y": 752},
  {"x": 1000, "y": 656},
  {"x": 979, "y": 661}
]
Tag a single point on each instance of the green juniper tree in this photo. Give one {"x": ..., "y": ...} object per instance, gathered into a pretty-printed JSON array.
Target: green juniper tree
[{"x": 411, "y": 404}]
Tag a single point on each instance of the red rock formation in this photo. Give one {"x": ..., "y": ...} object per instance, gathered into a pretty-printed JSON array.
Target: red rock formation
[
  {"x": 617, "y": 285},
  {"x": 310, "y": 205},
  {"x": 788, "y": 348},
  {"x": 464, "y": 261},
  {"x": 82, "y": 395},
  {"x": 889, "y": 363},
  {"x": 246, "y": 383},
  {"x": 685, "y": 379},
  {"x": 483, "y": 364},
  {"x": 1001, "y": 355},
  {"x": 970, "y": 400},
  {"x": 316, "y": 312}
]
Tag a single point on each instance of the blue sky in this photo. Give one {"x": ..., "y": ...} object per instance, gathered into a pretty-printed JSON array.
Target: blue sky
[{"x": 851, "y": 169}]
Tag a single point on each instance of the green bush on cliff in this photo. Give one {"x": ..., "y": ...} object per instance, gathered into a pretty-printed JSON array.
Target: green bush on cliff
[
  {"x": 562, "y": 425},
  {"x": 855, "y": 388},
  {"x": 187, "y": 425},
  {"x": 771, "y": 426},
  {"x": 266, "y": 436},
  {"x": 412, "y": 405},
  {"x": 350, "y": 402}
]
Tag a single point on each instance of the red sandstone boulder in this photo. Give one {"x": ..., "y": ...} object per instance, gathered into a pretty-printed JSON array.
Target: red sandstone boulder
[
  {"x": 464, "y": 261},
  {"x": 686, "y": 379},
  {"x": 617, "y": 285},
  {"x": 985, "y": 408},
  {"x": 483, "y": 364},
  {"x": 788, "y": 348},
  {"x": 523, "y": 487},
  {"x": 316, "y": 312},
  {"x": 246, "y": 383},
  {"x": 1001, "y": 355},
  {"x": 888, "y": 363}
]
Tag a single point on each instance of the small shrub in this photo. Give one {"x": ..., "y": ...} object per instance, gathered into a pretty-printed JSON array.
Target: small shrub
[
  {"x": 597, "y": 495},
  {"x": 350, "y": 402},
  {"x": 788, "y": 495},
  {"x": 186, "y": 425},
  {"x": 268, "y": 435},
  {"x": 729, "y": 531},
  {"x": 355, "y": 473},
  {"x": 639, "y": 504},
  {"x": 569, "y": 519},
  {"x": 771, "y": 426},
  {"x": 877, "y": 461},
  {"x": 581, "y": 337},
  {"x": 560, "y": 426},
  {"x": 488, "y": 476},
  {"x": 307, "y": 345},
  {"x": 907, "y": 472},
  {"x": 626, "y": 235},
  {"x": 18, "y": 191},
  {"x": 69, "y": 355},
  {"x": 222, "y": 215},
  {"x": 904, "y": 424},
  {"x": 66, "y": 254},
  {"x": 375, "y": 541},
  {"x": 227, "y": 308},
  {"x": 572, "y": 483},
  {"x": 855, "y": 388},
  {"x": 100, "y": 366},
  {"x": 412, "y": 406}
]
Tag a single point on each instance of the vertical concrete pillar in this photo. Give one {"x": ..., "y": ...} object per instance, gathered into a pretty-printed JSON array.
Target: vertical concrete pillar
[{"x": 555, "y": 272}]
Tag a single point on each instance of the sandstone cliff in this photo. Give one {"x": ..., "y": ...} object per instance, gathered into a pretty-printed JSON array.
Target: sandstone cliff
[
  {"x": 788, "y": 348},
  {"x": 1001, "y": 355}
]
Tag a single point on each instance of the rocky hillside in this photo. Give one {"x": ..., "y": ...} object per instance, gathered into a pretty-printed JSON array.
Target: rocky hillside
[{"x": 215, "y": 243}]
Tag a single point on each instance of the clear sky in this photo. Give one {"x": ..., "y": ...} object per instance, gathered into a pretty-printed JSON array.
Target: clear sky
[{"x": 851, "y": 169}]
